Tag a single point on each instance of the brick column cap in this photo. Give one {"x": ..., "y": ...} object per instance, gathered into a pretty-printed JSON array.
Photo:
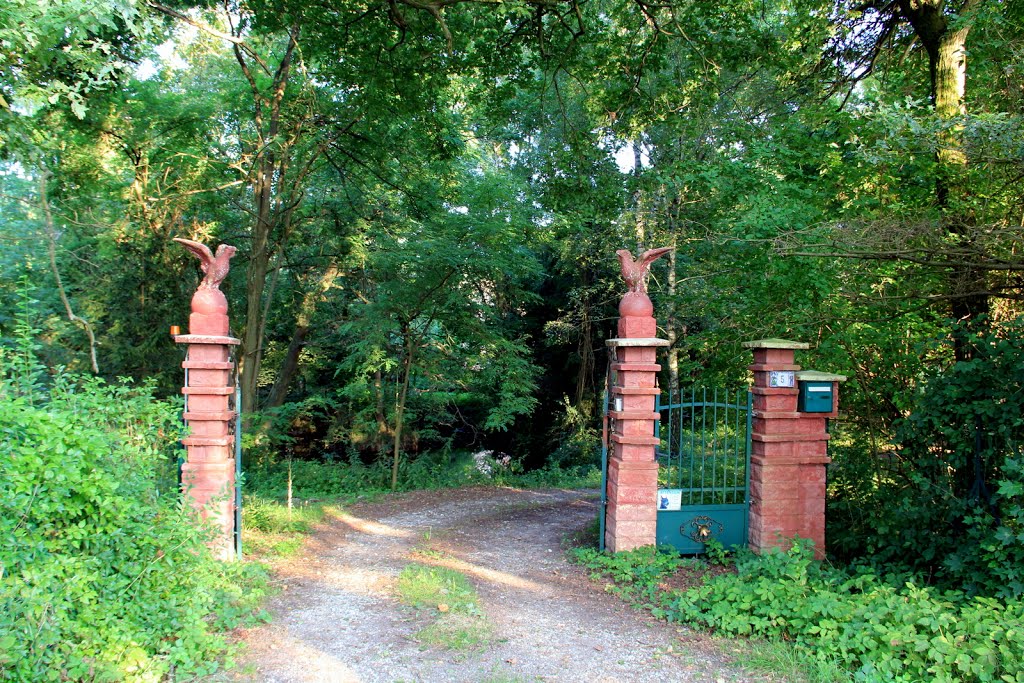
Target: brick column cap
[
  {"x": 815, "y": 376},
  {"x": 790, "y": 460},
  {"x": 787, "y": 438},
  {"x": 775, "y": 344},
  {"x": 205, "y": 339},
  {"x": 219, "y": 416},
  {"x": 639, "y": 341},
  {"x": 635, "y": 391},
  {"x": 636, "y": 367},
  {"x": 636, "y": 415}
]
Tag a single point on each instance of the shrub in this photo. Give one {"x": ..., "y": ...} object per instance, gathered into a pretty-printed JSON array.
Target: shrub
[
  {"x": 435, "y": 470},
  {"x": 947, "y": 501},
  {"x": 104, "y": 575},
  {"x": 880, "y": 629}
]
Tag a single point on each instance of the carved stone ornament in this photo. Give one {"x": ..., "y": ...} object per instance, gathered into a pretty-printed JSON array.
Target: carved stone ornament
[
  {"x": 208, "y": 299},
  {"x": 636, "y": 303}
]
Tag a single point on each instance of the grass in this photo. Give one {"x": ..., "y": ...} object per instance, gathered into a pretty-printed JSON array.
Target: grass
[
  {"x": 440, "y": 588},
  {"x": 270, "y": 529},
  {"x": 457, "y": 632},
  {"x": 345, "y": 481},
  {"x": 451, "y": 603},
  {"x": 781, "y": 658}
]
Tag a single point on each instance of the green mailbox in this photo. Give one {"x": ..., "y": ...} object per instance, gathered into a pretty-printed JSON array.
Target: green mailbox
[
  {"x": 817, "y": 392},
  {"x": 815, "y": 397}
]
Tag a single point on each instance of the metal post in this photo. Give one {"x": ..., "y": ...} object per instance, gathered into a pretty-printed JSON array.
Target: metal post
[
  {"x": 238, "y": 468},
  {"x": 604, "y": 460}
]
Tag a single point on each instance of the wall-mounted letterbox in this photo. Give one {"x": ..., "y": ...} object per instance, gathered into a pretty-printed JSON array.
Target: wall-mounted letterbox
[
  {"x": 815, "y": 397},
  {"x": 816, "y": 391}
]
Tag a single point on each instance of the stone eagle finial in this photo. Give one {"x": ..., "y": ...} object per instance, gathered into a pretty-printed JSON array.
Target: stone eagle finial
[
  {"x": 635, "y": 272},
  {"x": 215, "y": 268}
]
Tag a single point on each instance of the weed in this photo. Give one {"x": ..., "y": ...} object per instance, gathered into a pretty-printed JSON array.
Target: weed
[
  {"x": 451, "y": 601},
  {"x": 457, "y": 632},
  {"x": 587, "y": 537},
  {"x": 782, "y": 658},
  {"x": 438, "y": 588},
  {"x": 348, "y": 480},
  {"x": 835, "y": 624},
  {"x": 716, "y": 552},
  {"x": 271, "y": 529}
]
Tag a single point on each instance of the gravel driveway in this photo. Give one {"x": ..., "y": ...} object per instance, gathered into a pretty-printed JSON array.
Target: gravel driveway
[{"x": 338, "y": 618}]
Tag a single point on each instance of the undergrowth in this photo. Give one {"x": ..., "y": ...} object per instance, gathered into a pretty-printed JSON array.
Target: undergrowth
[
  {"x": 349, "y": 480},
  {"x": 104, "y": 574},
  {"x": 271, "y": 529},
  {"x": 873, "y": 627}
]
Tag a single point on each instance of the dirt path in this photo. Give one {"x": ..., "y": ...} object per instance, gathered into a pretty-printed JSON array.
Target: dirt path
[{"x": 338, "y": 619}]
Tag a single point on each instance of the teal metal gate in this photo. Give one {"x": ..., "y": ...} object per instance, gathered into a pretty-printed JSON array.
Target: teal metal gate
[{"x": 704, "y": 468}]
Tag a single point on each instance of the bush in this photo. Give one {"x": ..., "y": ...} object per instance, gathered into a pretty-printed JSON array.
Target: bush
[
  {"x": 436, "y": 470},
  {"x": 880, "y": 629},
  {"x": 947, "y": 502},
  {"x": 104, "y": 575}
]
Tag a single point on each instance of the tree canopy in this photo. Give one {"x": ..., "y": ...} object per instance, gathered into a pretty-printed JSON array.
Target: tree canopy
[{"x": 427, "y": 195}]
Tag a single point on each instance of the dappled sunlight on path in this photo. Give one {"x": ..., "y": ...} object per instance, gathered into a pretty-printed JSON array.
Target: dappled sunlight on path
[{"x": 338, "y": 617}]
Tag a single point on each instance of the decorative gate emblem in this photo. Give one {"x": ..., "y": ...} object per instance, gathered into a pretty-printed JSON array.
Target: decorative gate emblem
[{"x": 703, "y": 528}]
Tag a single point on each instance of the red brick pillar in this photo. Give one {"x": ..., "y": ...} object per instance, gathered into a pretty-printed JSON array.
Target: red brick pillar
[
  {"x": 208, "y": 477},
  {"x": 632, "y": 488},
  {"x": 788, "y": 451}
]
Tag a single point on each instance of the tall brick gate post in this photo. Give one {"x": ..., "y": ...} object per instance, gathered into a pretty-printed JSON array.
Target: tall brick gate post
[
  {"x": 632, "y": 486},
  {"x": 208, "y": 476},
  {"x": 789, "y": 449}
]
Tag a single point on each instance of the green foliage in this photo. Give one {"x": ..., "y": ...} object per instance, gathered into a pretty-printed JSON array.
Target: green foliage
[
  {"x": 634, "y": 574},
  {"x": 270, "y": 528},
  {"x": 876, "y": 628},
  {"x": 104, "y": 574},
  {"x": 351, "y": 479},
  {"x": 880, "y": 629},
  {"x": 946, "y": 503},
  {"x": 716, "y": 552},
  {"x": 260, "y": 514},
  {"x": 579, "y": 429},
  {"x": 63, "y": 52},
  {"x": 426, "y": 587}
]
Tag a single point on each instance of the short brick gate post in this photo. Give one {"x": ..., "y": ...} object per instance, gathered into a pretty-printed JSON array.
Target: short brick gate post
[
  {"x": 632, "y": 487},
  {"x": 208, "y": 476},
  {"x": 789, "y": 449}
]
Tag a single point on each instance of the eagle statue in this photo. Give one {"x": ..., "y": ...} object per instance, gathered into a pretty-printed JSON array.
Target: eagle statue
[
  {"x": 635, "y": 272},
  {"x": 215, "y": 268}
]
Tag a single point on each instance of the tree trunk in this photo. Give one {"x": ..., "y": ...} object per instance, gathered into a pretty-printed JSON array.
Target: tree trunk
[
  {"x": 585, "y": 375},
  {"x": 380, "y": 439},
  {"x": 947, "y": 66},
  {"x": 255, "y": 283},
  {"x": 671, "y": 323},
  {"x": 400, "y": 407},
  {"x": 303, "y": 320},
  {"x": 270, "y": 151},
  {"x": 51, "y": 250}
]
